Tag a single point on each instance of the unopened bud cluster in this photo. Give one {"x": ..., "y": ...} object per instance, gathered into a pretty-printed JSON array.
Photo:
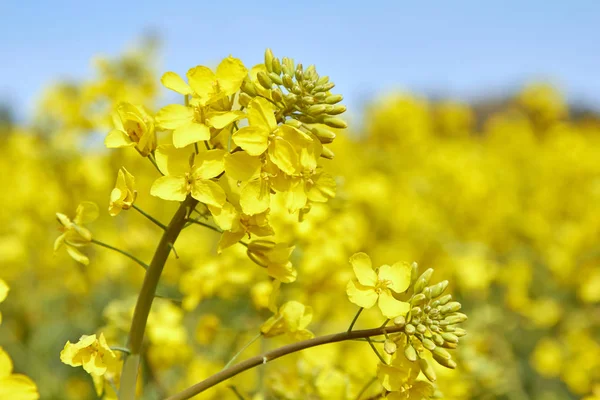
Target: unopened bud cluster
[
  {"x": 304, "y": 97},
  {"x": 430, "y": 326}
]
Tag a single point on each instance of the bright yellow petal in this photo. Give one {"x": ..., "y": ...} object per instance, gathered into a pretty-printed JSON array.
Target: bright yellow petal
[
  {"x": 254, "y": 198},
  {"x": 18, "y": 387},
  {"x": 323, "y": 188},
  {"x": 282, "y": 154},
  {"x": 241, "y": 166},
  {"x": 189, "y": 133},
  {"x": 202, "y": 81},
  {"x": 230, "y": 73},
  {"x": 173, "y": 116},
  {"x": 169, "y": 188},
  {"x": 228, "y": 239},
  {"x": 362, "y": 296},
  {"x": 252, "y": 139},
  {"x": 225, "y": 217},
  {"x": 208, "y": 192},
  {"x": 262, "y": 113},
  {"x": 3, "y": 290},
  {"x": 221, "y": 120},
  {"x": 284, "y": 273},
  {"x": 363, "y": 269},
  {"x": 6, "y": 365},
  {"x": 172, "y": 81},
  {"x": 171, "y": 160},
  {"x": 209, "y": 164},
  {"x": 390, "y": 307},
  {"x": 116, "y": 139},
  {"x": 295, "y": 196},
  {"x": 398, "y": 276},
  {"x": 77, "y": 255}
]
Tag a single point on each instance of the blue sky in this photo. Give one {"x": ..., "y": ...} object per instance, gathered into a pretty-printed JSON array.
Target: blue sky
[{"x": 462, "y": 49}]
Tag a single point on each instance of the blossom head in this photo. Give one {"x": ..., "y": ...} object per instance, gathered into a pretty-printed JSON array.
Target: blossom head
[
  {"x": 124, "y": 193},
  {"x": 90, "y": 352},
  {"x": 74, "y": 234},
  {"x": 133, "y": 127}
]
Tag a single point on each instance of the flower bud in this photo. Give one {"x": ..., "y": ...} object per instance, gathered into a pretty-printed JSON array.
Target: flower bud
[
  {"x": 449, "y": 337},
  {"x": 296, "y": 89},
  {"x": 423, "y": 280},
  {"x": 336, "y": 110},
  {"x": 322, "y": 80},
  {"x": 445, "y": 362},
  {"x": 428, "y": 344},
  {"x": 269, "y": 60},
  {"x": 288, "y": 66},
  {"x": 421, "y": 328},
  {"x": 299, "y": 73},
  {"x": 292, "y": 122},
  {"x": 451, "y": 307},
  {"x": 410, "y": 353},
  {"x": 450, "y": 345},
  {"x": 417, "y": 299},
  {"x": 334, "y": 122},
  {"x": 264, "y": 80},
  {"x": 427, "y": 369},
  {"x": 327, "y": 153},
  {"x": 334, "y": 98},
  {"x": 277, "y": 95},
  {"x": 244, "y": 99},
  {"x": 320, "y": 96},
  {"x": 389, "y": 346},
  {"x": 316, "y": 109},
  {"x": 414, "y": 273},
  {"x": 409, "y": 329},
  {"x": 275, "y": 78},
  {"x": 400, "y": 321},
  {"x": 287, "y": 81},
  {"x": 324, "y": 135},
  {"x": 438, "y": 289},
  {"x": 444, "y": 299},
  {"x": 276, "y": 66},
  {"x": 437, "y": 339},
  {"x": 440, "y": 352},
  {"x": 248, "y": 87},
  {"x": 324, "y": 88},
  {"x": 459, "y": 332}
]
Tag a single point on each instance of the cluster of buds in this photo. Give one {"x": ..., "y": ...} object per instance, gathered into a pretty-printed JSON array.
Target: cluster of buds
[
  {"x": 303, "y": 97},
  {"x": 430, "y": 326}
]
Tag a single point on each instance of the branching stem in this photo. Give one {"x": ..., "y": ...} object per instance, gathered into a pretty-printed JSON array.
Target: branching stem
[{"x": 134, "y": 258}]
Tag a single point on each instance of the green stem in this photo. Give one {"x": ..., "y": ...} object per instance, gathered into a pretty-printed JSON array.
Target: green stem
[
  {"x": 124, "y": 350},
  {"x": 360, "y": 310},
  {"x": 214, "y": 228},
  {"x": 134, "y": 258},
  {"x": 367, "y": 386},
  {"x": 277, "y": 353},
  {"x": 254, "y": 339},
  {"x": 153, "y": 161},
  {"x": 150, "y": 217},
  {"x": 146, "y": 296},
  {"x": 376, "y": 351}
]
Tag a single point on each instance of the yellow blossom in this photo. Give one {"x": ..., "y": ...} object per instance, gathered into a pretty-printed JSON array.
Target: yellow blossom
[
  {"x": 400, "y": 378},
  {"x": 134, "y": 126},
  {"x": 292, "y": 318},
  {"x": 236, "y": 225},
  {"x": 124, "y": 193},
  {"x": 274, "y": 257},
  {"x": 372, "y": 286},
  {"x": 90, "y": 352},
  {"x": 183, "y": 177},
  {"x": 15, "y": 386},
  {"x": 74, "y": 234}
]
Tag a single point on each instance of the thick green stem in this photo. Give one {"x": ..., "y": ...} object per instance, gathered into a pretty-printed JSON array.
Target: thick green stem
[
  {"x": 146, "y": 296},
  {"x": 280, "y": 352}
]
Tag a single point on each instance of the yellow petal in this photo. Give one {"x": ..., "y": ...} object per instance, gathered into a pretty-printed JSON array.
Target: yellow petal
[
  {"x": 228, "y": 239},
  {"x": 87, "y": 212},
  {"x": 116, "y": 139},
  {"x": 282, "y": 154},
  {"x": 4, "y": 289},
  {"x": 225, "y": 216},
  {"x": 171, "y": 160},
  {"x": 282, "y": 272},
  {"x": 77, "y": 255},
  {"x": 169, "y": 188},
  {"x": 295, "y": 196},
  {"x": 208, "y": 192},
  {"x": 230, "y": 73},
  {"x": 398, "y": 276},
  {"x": 189, "y": 133},
  {"x": 254, "y": 198},
  {"x": 252, "y": 139},
  {"x": 172, "y": 81},
  {"x": 202, "y": 81},
  {"x": 221, "y": 120},
  {"x": 209, "y": 164},
  {"x": 261, "y": 113},
  {"x": 322, "y": 189},
  {"x": 390, "y": 307},
  {"x": 363, "y": 269},
  {"x": 241, "y": 166},
  {"x": 362, "y": 296},
  {"x": 6, "y": 365},
  {"x": 173, "y": 116},
  {"x": 18, "y": 387}
]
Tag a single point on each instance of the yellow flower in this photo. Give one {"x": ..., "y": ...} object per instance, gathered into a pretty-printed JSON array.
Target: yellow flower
[
  {"x": 292, "y": 318},
  {"x": 372, "y": 287},
  {"x": 3, "y": 293},
  {"x": 400, "y": 378},
  {"x": 286, "y": 146},
  {"x": 274, "y": 257},
  {"x": 236, "y": 225},
  {"x": 15, "y": 386},
  {"x": 90, "y": 352},
  {"x": 74, "y": 234},
  {"x": 124, "y": 193},
  {"x": 209, "y": 106},
  {"x": 183, "y": 177},
  {"x": 134, "y": 126}
]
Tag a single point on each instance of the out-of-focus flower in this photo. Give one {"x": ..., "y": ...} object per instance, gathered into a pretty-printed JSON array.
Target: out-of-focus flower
[
  {"x": 134, "y": 126},
  {"x": 275, "y": 257},
  {"x": 74, "y": 235},
  {"x": 15, "y": 386},
  {"x": 124, "y": 193},
  {"x": 292, "y": 318},
  {"x": 90, "y": 352}
]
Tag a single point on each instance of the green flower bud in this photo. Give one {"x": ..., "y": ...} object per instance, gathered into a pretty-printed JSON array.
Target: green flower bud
[
  {"x": 451, "y": 307},
  {"x": 410, "y": 353},
  {"x": 316, "y": 109},
  {"x": 324, "y": 135},
  {"x": 327, "y": 153},
  {"x": 322, "y": 80},
  {"x": 334, "y": 98},
  {"x": 290, "y": 98},
  {"x": 389, "y": 346},
  {"x": 459, "y": 332},
  {"x": 311, "y": 73},
  {"x": 449, "y": 337},
  {"x": 296, "y": 89},
  {"x": 416, "y": 311},
  {"x": 437, "y": 339},
  {"x": 445, "y": 299},
  {"x": 244, "y": 99},
  {"x": 277, "y": 95},
  {"x": 400, "y": 321},
  {"x": 324, "y": 88},
  {"x": 414, "y": 273},
  {"x": 299, "y": 73},
  {"x": 288, "y": 66},
  {"x": 423, "y": 280},
  {"x": 309, "y": 86},
  {"x": 445, "y": 362},
  {"x": 427, "y": 369},
  {"x": 320, "y": 97},
  {"x": 276, "y": 66},
  {"x": 269, "y": 60},
  {"x": 248, "y": 87},
  {"x": 409, "y": 329},
  {"x": 335, "y": 122},
  {"x": 438, "y": 289},
  {"x": 428, "y": 344},
  {"x": 264, "y": 80},
  {"x": 275, "y": 78},
  {"x": 421, "y": 328},
  {"x": 450, "y": 345},
  {"x": 294, "y": 123},
  {"x": 440, "y": 352},
  {"x": 417, "y": 299},
  {"x": 287, "y": 81},
  {"x": 309, "y": 100},
  {"x": 415, "y": 320},
  {"x": 336, "y": 110}
]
